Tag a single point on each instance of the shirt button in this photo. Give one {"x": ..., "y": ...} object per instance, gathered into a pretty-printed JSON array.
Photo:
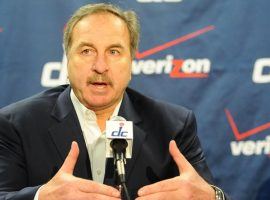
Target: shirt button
[{"x": 98, "y": 172}]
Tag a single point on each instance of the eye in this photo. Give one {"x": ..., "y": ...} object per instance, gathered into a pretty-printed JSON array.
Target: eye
[
  {"x": 85, "y": 51},
  {"x": 114, "y": 52}
]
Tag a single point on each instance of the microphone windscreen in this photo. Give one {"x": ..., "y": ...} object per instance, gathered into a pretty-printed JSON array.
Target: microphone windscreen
[{"x": 118, "y": 128}]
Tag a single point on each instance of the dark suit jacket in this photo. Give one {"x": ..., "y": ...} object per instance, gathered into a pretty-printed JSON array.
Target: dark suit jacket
[{"x": 36, "y": 134}]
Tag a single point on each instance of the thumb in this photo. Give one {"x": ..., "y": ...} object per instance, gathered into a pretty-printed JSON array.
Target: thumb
[
  {"x": 181, "y": 162},
  {"x": 71, "y": 159}
]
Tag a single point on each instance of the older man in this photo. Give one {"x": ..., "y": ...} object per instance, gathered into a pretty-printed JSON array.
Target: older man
[{"x": 52, "y": 144}]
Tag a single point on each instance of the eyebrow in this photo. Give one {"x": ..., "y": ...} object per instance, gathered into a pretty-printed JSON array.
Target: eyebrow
[
  {"x": 82, "y": 44},
  {"x": 116, "y": 45}
]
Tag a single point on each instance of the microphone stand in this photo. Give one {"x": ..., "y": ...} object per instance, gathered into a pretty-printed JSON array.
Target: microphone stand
[{"x": 119, "y": 151}]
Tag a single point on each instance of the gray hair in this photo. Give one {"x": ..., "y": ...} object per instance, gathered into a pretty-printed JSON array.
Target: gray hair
[{"x": 129, "y": 17}]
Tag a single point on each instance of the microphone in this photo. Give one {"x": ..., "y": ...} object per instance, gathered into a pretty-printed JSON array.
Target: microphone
[
  {"x": 119, "y": 150},
  {"x": 119, "y": 136},
  {"x": 118, "y": 128}
]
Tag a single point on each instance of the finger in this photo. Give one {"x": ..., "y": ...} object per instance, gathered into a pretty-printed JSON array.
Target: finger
[
  {"x": 179, "y": 159},
  {"x": 98, "y": 188},
  {"x": 92, "y": 196},
  {"x": 157, "y": 196},
  {"x": 71, "y": 159},
  {"x": 161, "y": 186}
]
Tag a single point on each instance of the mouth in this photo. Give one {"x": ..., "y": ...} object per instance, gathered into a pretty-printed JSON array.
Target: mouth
[{"x": 99, "y": 84}]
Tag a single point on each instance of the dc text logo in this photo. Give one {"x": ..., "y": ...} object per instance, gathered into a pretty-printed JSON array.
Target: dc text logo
[
  {"x": 259, "y": 71},
  {"x": 120, "y": 132},
  {"x": 49, "y": 69}
]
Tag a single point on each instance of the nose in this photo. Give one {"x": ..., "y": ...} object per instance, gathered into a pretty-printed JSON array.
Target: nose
[{"x": 100, "y": 65}]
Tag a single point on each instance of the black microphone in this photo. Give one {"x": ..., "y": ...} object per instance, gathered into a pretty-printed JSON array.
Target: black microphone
[
  {"x": 119, "y": 154},
  {"x": 119, "y": 136}
]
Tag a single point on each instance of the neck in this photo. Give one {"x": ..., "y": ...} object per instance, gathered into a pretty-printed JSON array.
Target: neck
[
  {"x": 102, "y": 113},
  {"x": 103, "y": 116}
]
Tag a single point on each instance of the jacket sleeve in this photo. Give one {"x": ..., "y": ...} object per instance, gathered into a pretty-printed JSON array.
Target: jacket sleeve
[
  {"x": 189, "y": 144},
  {"x": 13, "y": 172}
]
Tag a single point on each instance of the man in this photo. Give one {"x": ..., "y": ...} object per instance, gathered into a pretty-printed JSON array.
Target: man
[{"x": 52, "y": 144}]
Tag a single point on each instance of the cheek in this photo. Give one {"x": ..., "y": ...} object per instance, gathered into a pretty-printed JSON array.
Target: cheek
[
  {"x": 124, "y": 68},
  {"x": 122, "y": 75},
  {"x": 77, "y": 75}
]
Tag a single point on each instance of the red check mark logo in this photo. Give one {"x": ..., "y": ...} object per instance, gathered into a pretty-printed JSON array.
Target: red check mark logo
[
  {"x": 176, "y": 73},
  {"x": 246, "y": 134},
  {"x": 140, "y": 55}
]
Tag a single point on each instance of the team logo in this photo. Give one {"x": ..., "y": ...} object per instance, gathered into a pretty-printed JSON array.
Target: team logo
[
  {"x": 248, "y": 147},
  {"x": 259, "y": 71},
  {"x": 120, "y": 132},
  {"x": 48, "y": 79}
]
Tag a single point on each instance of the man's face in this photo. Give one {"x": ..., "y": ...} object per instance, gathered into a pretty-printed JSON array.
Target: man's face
[{"x": 99, "y": 60}]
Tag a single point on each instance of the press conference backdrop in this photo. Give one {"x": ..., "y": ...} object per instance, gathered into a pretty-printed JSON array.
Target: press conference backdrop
[{"x": 212, "y": 56}]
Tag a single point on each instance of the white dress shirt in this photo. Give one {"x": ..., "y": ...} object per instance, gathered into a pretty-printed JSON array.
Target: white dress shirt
[{"x": 94, "y": 138}]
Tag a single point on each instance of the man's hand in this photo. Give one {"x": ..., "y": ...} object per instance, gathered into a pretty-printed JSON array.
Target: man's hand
[
  {"x": 66, "y": 186},
  {"x": 188, "y": 185}
]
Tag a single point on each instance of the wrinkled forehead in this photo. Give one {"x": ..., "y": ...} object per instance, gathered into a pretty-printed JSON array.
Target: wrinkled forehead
[{"x": 101, "y": 26}]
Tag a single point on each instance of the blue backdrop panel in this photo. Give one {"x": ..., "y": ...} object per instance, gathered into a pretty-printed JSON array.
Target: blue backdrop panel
[{"x": 210, "y": 56}]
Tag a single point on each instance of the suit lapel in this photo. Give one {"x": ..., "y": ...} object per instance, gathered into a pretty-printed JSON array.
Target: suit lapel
[
  {"x": 67, "y": 130},
  {"x": 128, "y": 111}
]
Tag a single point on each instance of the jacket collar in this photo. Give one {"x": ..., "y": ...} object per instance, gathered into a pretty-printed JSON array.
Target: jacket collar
[
  {"x": 68, "y": 130},
  {"x": 63, "y": 105}
]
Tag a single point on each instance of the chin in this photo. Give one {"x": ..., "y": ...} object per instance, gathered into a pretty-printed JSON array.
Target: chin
[
  {"x": 98, "y": 104},
  {"x": 100, "y": 101}
]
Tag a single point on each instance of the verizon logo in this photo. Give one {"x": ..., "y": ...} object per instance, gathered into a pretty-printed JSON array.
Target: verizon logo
[{"x": 248, "y": 147}]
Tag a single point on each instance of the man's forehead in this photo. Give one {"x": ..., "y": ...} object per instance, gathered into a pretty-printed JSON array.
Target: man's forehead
[
  {"x": 105, "y": 26},
  {"x": 101, "y": 18}
]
